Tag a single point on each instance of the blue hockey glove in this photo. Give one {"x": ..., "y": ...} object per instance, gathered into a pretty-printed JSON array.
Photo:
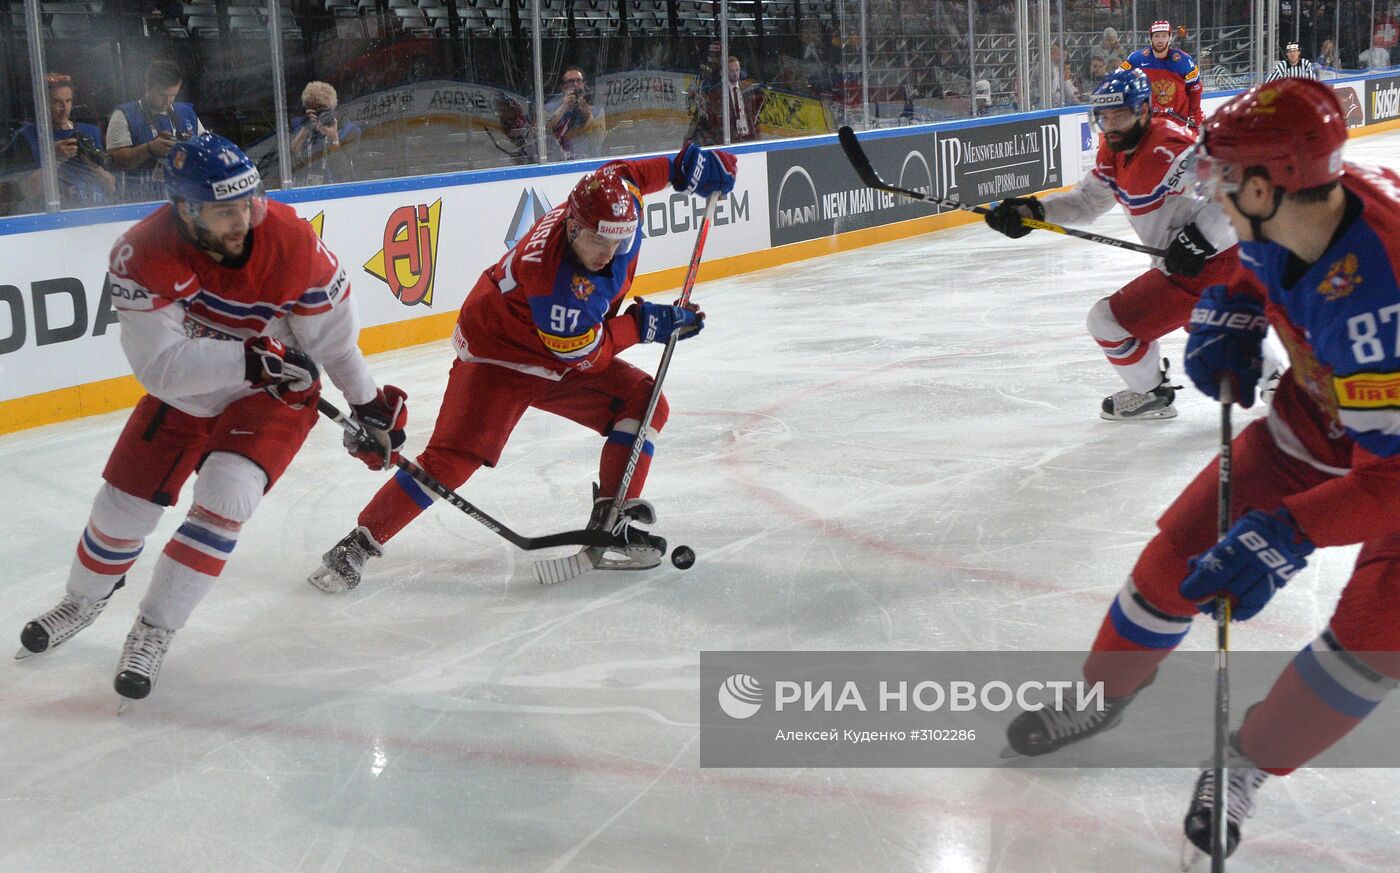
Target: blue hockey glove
[
  {"x": 1256, "y": 558},
  {"x": 1226, "y": 339},
  {"x": 657, "y": 322},
  {"x": 702, "y": 173}
]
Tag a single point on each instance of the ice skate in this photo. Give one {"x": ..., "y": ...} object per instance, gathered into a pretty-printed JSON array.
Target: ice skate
[
  {"x": 142, "y": 655},
  {"x": 54, "y": 627},
  {"x": 1048, "y": 729},
  {"x": 1128, "y": 405},
  {"x": 634, "y": 549},
  {"x": 340, "y": 567},
  {"x": 1244, "y": 780}
]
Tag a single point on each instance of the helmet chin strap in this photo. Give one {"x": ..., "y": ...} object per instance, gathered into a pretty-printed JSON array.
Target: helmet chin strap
[{"x": 1256, "y": 223}]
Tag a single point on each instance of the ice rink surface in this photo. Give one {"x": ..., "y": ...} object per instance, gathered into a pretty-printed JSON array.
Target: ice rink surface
[{"x": 893, "y": 448}]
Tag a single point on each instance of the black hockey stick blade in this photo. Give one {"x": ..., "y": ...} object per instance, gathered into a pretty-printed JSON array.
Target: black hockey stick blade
[
  {"x": 856, "y": 155},
  {"x": 861, "y": 163},
  {"x": 422, "y": 477}
]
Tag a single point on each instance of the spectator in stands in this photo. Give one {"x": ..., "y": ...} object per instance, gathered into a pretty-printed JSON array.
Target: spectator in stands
[
  {"x": 1327, "y": 57},
  {"x": 1183, "y": 40},
  {"x": 1064, "y": 85},
  {"x": 320, "y": 138},
  {"x": 141, "y": 132},
  {"x": 1374, "y": 58},
  {"x": 745, "y": 103},
  {"x": 572, "y": 119},
  {"x": 77, "y": 150},
  {"x": 1109, "y": 48},
  {"x": 1098, "y": 70}
]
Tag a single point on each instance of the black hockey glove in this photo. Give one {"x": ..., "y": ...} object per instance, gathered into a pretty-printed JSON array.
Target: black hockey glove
[
  {"x": 1006, "y": 217},
  {"x": 1187, "y": 254},
  {"x": 285, "y": 372}
]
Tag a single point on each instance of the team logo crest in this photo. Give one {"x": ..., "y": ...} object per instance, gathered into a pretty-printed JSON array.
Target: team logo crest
[
  {"x": 1313, "y": 376},
  {"x": 582, "y": 287},
  {"x": 1164, "y": 93},
  {"x": 1340, "y": 280},
  {"x": 407, "y": 262}
]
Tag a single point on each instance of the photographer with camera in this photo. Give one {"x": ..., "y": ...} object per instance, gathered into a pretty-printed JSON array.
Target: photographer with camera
[
  {"x": 319, "y": 138},
  {"x": 572, "y": 119},
  {"x": 141, "y": 132},
  {"x": 77, "y": 148}
]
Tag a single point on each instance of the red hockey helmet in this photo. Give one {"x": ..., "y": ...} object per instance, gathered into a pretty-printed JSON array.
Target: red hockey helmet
[
  {"x": 606, "y": 203},
  {"x": 1293, "y": 128}
]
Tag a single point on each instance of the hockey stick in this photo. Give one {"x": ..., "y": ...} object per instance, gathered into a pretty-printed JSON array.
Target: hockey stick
[
  {"x": 1219, "y": 813},
  {"x": 549, "y": 572},
  {"x": 856, "y": 155},
  {"x": 421, "y": 476}
]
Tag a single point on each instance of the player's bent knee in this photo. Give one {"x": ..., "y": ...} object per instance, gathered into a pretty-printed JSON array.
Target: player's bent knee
[
  {"x": 451, "y": 465},
  {"x": 1102, "y": 323},
  {"x": 124, "y": 516},
  {"x": 1158, "y": 575},
  {"x": 663, "y": 412},
  {"x": 230, "y": 486}
]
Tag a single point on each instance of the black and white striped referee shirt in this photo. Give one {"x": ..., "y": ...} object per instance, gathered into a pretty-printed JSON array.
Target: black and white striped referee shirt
[{"x": 1304, "y": 69}]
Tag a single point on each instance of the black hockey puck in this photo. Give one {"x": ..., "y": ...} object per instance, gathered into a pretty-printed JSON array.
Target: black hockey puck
[{"x": 683, "y": 557}]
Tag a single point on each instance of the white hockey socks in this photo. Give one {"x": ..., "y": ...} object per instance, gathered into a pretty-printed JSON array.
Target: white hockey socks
[{"x": 227, "y": 491}]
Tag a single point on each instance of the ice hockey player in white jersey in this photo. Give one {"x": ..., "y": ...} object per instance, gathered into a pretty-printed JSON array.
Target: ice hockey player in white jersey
[{"x": 1141, "y": 166}]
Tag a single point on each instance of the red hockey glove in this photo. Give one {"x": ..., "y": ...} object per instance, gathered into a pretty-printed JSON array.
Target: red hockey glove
[
  {"x": 285, "y": 372},
  {"x": 383, "y": 419}
]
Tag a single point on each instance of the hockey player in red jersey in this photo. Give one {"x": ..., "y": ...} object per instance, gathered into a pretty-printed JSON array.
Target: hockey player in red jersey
[
  {"x": 1320, "y": 252},
  {"x": 1176, "y": 83},
  {"x": 1140, "y": 166},
  {"x": 541, "y": 329},
  {"x": 229, "y": 306}
]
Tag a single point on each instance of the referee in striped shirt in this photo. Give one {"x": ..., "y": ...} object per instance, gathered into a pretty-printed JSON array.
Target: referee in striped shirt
[{"x": 1295, "y": 67}]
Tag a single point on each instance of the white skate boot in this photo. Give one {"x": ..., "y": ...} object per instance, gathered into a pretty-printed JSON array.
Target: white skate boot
[
  {"x": 71, "y": 615},
  {"x": 1129, "y": 405},
  {"x": 142, "y": 655},
  {"x": 1244, "y": 780}
]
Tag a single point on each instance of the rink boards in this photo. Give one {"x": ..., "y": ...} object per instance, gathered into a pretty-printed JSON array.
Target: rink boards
[{"x": 414, "y": 248}]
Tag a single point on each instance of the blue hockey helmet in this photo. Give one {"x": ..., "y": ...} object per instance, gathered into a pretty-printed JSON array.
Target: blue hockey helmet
[
  {"x": 210, "y": 169},
  {"x": 208, "y": 178},
  {"x": 1121, "y": 89}
]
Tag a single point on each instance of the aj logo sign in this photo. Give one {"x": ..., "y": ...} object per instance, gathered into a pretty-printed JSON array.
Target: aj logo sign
[{"x": 407, "y": 262}]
